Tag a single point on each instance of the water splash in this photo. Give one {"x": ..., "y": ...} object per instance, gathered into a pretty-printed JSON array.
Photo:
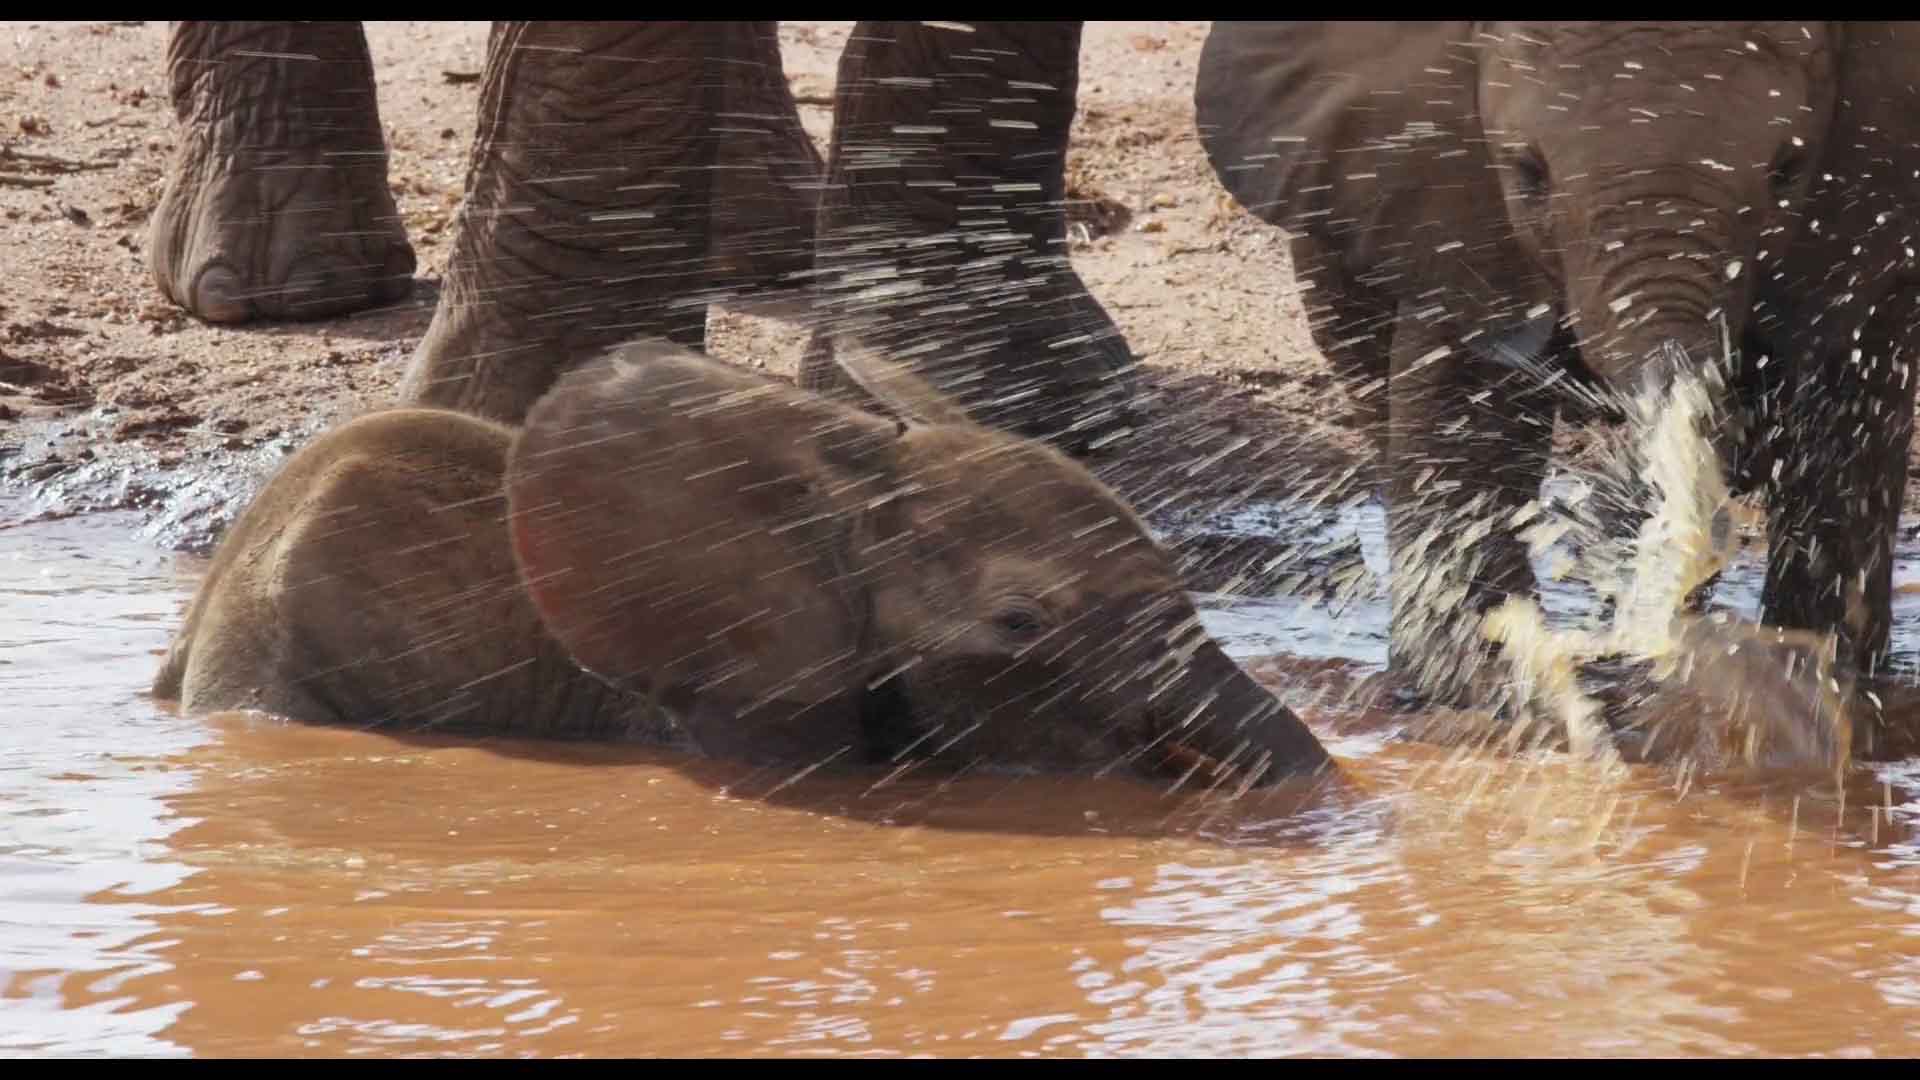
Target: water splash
[{"x": 1716, "y": 691}]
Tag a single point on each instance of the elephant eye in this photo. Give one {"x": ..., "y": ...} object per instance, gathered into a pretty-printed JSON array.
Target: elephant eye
[
  {"x": 1788, "y": 164},
  {"x": 1019, "y": 623},
  {"x": 1530, "y": 177}
]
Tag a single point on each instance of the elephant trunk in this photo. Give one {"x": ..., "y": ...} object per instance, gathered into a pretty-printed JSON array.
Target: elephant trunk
[
  {"x": 1216, "y": 709},
  {"x": 1652, "y": 268},
  {"x": 1661, "y": 285},
  {"x": 1660, "y": 293}
]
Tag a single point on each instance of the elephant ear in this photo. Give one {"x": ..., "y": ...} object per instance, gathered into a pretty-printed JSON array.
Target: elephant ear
[
  {"x": 681, "y": 523},
  {"x": 895, "y": 385},
  {"x": 1355, "y": 134}
]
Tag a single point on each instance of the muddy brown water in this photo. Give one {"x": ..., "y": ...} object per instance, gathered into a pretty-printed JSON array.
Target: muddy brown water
[{"x": 235, "y": 886}]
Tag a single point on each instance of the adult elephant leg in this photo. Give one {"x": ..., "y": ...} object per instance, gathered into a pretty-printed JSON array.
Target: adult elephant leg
[
  {"x": 276, "y": 204},
  {"x": 1761, "y": 397},
  {"x": 624, "y": 176},
  {"x": 943, "y": 228},
  {"x": 1467, "y": 445},
  {"x": 1352, "y": 325},
  {"x": 1836, "y": 508}
]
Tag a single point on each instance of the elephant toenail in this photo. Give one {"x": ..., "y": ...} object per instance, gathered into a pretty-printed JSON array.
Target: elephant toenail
[{"x": 219, "y": 296}]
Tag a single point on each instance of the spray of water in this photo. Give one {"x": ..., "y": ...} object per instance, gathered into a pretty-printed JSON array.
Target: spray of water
[{"x": 1718, "y": 691}]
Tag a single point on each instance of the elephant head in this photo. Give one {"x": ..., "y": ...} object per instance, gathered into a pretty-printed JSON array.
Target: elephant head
[
  {"x": 1634, "y": 183},
  {"x": 764, "y": 561}
]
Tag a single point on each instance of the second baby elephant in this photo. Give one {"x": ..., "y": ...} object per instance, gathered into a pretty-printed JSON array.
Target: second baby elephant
[
  {"x": 696, "y": 553},
  {"x": 1501, "y": 219}
]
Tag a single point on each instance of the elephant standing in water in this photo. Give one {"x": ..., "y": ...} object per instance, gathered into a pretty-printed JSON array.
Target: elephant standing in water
[
  {"x": 1501, "y": 219},
  {"x": 743, "y": 566},
  {"x": 625, "y": 175}
]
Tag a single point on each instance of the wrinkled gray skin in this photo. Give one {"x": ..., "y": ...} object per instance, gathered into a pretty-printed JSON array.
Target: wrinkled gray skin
[
  {"x": 743, "y": 566},
  {"x": 623, "y": 176},
  {"x": 1501, "y": 220}
]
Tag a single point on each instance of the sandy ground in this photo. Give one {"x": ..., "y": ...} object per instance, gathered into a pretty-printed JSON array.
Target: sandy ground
[{"x": 110, "y": 396}]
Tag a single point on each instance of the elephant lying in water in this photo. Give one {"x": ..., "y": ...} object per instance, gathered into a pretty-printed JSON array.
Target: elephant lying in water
[
  {"x": 1499, "y": 220},
  {"x": 742, "y": 566}
]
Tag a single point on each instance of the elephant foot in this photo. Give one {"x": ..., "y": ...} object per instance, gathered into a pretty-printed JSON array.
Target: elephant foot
[
  {"x": 276, "y": 203},
  {"x": 306, "y": 239}
]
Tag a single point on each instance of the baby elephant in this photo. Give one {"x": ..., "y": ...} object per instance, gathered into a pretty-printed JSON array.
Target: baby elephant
[{"x": 693, "y": 553}]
